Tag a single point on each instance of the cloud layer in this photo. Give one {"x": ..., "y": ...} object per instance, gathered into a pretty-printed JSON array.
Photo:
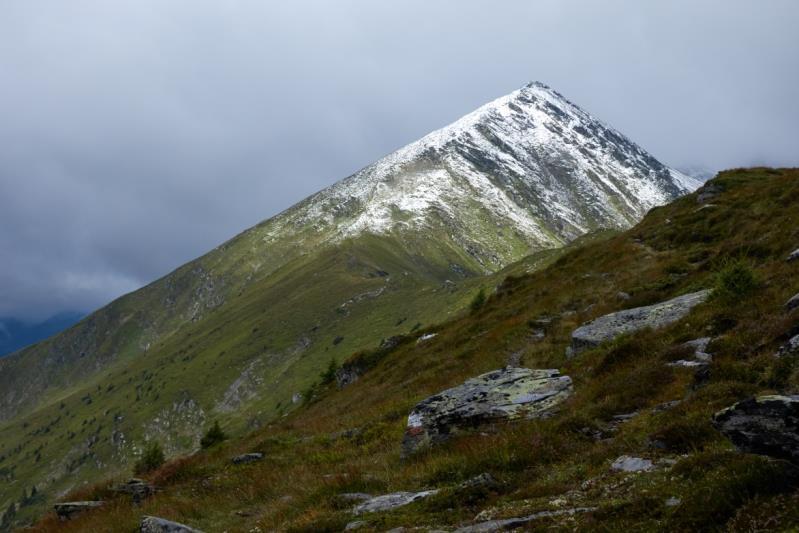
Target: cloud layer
[{"x": 138, "y": 134}]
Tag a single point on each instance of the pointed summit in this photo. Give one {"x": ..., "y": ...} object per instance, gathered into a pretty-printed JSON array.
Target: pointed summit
[{"x": 530, "y": 165}]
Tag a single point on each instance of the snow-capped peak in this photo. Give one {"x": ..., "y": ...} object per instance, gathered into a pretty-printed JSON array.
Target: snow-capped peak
[{"x": 530, "y": 164}]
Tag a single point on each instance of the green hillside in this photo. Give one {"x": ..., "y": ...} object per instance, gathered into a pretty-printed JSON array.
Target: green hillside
[{"x": 344, "y": 441}]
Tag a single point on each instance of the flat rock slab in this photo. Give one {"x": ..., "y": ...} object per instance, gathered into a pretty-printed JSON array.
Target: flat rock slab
[
  {"x": 387, "y": 502},
  {"x": 507, "y": 394},
  {"x": 247, "y": 458},
  {"x": 154, "y": 524},
  {"x": 626, "y": 463},
  {"x": 68, "y": 510},
  {"x": 608, "y": 327},
  {"x": 515, "y": 523},
  {"x": 766, "y": 425}
]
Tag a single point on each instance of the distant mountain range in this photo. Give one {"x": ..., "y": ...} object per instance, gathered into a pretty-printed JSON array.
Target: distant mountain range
[
  {"x": 16, "y": 334},
  {"x": 239, "y": 334}
]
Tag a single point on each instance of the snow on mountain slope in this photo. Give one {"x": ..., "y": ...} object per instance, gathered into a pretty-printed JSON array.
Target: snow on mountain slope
[{"x": 531, "y": 162}]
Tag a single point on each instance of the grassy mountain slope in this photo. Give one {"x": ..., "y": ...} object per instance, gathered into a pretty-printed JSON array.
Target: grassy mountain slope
[
  {"x": 242, "y": 365},
  {"x": 561, "y": 462}
]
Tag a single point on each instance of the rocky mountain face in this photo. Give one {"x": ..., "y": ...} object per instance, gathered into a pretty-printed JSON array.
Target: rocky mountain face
[{"x": 239, "y": 333}]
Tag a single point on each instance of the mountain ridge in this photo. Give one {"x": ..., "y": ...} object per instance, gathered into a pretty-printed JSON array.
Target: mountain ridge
[{"x": 237, "y": 333}]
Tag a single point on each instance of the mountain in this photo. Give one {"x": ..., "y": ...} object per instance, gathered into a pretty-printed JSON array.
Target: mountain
[
  {"x": 633, "y": 447},
  {"x": 238, "y": 334},
  {"x": 16, "y": 334}
]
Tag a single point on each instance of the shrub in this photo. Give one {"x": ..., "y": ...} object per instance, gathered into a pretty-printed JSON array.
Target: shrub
[
  {"x": 214, "y": 436},
  {"x": 735, "y": 280},
  {"x": 478, "y": 301},
  {"x": 329, "y": 375},
  {"x": 152, "y": 458}
]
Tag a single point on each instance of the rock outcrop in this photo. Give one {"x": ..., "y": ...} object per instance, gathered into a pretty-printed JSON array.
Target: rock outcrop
[
  {"x": 69, "y": 510},
  {"x": 153, "y": 524},
  {"x": 506, "y": 394},
  {"x": 608, "y": 327},
  {"x": 387, "y": 502},
  {"x": 766, "y": 425}
]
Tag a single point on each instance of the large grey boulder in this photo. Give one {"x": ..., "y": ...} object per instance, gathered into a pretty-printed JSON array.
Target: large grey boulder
[
  {"x": 766, "y": 425},
  {"x": 507, "y": 394},
  {"x": 69, "y": 510},
  {"x": 608, "y": 327},
  {"x": 387, "y": 502},
  {"x": 154, "y": 524}
]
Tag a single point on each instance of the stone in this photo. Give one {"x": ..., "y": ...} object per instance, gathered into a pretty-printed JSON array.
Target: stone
[
  {"x": 357, "y": 524},
  {"x": 789, "y": 348},
  {"x": 69, "y": 510},
  {"x": 672, "y": 502},
  {"x": 794, "y": 255},
  {"x": 608, "y": 327},
  {"x": 622, "y": 296},
  {"x": 700, "y": 348},
  {"x": 154, "y": 524},
  {"x": 684, "y": 363},
  {"x": 765, "y": 425},
  {"x": 387, "y": 502},
  {"x": 626, "y": 463},
  {"x": 484, "y": 480},
  {"x": 247, "y": 458},
  {"x": 522, "y": 522},
  {"x": 507, "y": 394},
  {"x": 793, "y": 303},
  {"x": 137, "y": 488},
  {"x": 347, "y": 375}
]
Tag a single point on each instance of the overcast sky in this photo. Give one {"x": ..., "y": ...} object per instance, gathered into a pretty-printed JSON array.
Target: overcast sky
[{"x": 137, "y": 134}]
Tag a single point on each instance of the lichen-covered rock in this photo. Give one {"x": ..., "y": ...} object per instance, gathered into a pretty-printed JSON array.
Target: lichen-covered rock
[
  {"x": 508, "y": 394},
  {"x": 793, "y": 303},
  {"x": 68, "y": 510},
  {"x": 154, "y": 524},
  {"x": 387, "y": 502},
  {"x": 766, "y": 425},
  {"x": 247, "y": 458},
  {"x": 610, "y": 326}
]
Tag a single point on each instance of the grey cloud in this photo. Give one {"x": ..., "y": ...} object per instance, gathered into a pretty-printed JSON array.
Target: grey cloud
[{"x": 136, "y": 135}]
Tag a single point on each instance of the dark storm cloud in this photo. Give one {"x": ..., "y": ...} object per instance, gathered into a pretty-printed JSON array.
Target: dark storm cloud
[{"x": 135, "y": 135}]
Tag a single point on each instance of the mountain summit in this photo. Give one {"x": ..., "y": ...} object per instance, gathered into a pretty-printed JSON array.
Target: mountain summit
[
  {"x": 241, "y": 334},
  {"x": 530, "y": 162}
]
